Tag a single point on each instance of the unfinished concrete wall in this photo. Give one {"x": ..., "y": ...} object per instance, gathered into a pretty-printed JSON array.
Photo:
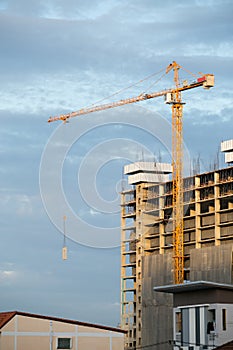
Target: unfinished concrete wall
[
  {"x": 212, "y": 264},
  {"x": 156, "y": 307}
]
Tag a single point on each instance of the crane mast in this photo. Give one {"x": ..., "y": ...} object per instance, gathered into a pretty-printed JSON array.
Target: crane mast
[
  {"x": 177, "y": 179},
  {"x": 173, "y": 97}
]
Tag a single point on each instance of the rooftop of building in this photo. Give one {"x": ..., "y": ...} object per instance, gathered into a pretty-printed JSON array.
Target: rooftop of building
[
  {"x": 192, "y": 286},
  {"x": 5, "y": 317},
  {"x": 149, "y": 167}
]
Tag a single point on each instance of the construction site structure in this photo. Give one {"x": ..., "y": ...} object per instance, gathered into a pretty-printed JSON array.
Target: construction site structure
[
  {"x": 172, "y": 97},
  {"x": 147, "y": 248}
]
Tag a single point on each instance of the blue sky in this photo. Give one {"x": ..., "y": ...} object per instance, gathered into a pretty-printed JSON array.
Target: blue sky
[{"x": 59, "y": 56}]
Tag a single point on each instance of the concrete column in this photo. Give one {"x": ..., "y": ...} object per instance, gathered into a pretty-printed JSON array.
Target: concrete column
[
  {"x": 197, "y": 210},
  {"x": 51, "y": 335},
  {"x": 15, "y": 332},
  {"x": 161, "y": 215},
  {"x": 217, "y": 208},
  {"x": 192, "y": 326},
  {"x": 76, "y": 337}
]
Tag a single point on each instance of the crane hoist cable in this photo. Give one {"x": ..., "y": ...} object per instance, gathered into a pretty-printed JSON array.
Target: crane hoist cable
[{"x": 130, "y": 86}]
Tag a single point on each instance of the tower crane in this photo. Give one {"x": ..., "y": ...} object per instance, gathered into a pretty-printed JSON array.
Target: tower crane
[{"x": 172, "y": 97}]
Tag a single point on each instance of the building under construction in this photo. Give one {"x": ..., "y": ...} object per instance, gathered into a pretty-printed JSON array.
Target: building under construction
[
  {"x": 186, "y": 221},
  {"x": 147, "y": 244}
]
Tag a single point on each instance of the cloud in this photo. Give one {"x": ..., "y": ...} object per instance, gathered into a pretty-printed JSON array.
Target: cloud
[
  {"x": 48, "y": 45},
  {"x": 20, "y": 205},
  {"x": 94, "y": 212},
  {"x": 71, "y": 9},
  {"x": 9, "y": 275}
]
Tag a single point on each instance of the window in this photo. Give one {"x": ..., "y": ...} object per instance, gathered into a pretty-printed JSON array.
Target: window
[
  {"x": 178, "y": 322},
  {"x": 211, "y": 321},
  {"x": 224, "y": 319},
  {"x": 64, "y": 343}
]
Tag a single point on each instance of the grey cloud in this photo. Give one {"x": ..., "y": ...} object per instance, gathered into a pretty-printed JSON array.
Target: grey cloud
[
  {"x": 60, "y": 9},
  {"x": 110, "y": 43}
]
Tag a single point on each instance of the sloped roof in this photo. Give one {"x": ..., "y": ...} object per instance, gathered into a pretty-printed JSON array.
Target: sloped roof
[
  {"x": 226, "y": 346},
  {"x": 5, "y": 317}
]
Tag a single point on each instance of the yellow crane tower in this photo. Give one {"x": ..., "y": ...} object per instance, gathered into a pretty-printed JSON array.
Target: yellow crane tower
[{"x": 173, "y": 97}]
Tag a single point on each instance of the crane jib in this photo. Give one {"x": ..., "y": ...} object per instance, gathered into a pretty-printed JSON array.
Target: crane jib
[{"x": 206, "y": 81}]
